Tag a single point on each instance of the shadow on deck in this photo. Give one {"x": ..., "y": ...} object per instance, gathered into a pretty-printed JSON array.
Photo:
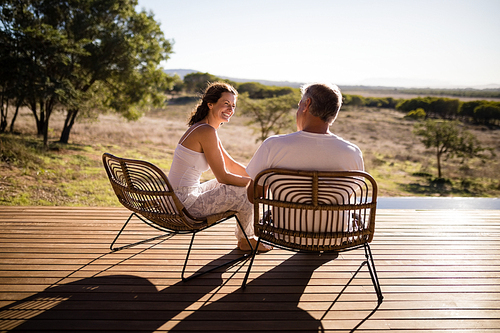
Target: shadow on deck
[{"x": 438, "y": 270}]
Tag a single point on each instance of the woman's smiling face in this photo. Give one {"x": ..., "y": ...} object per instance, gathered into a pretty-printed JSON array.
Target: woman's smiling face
[{"x": 224, "y": 108}]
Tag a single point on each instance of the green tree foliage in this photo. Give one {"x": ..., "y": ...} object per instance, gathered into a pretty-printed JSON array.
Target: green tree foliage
[
  {"x": 384, "y": 102},
  {"x": 417, "y": 114},
  {"x": 487, "y": 113},
  {"x": 472, "y": 93},
  {"x": 197, "y": 82},
  {"x": 258, "y": 90},
  {"x": 177, "y": 85},
  {"x": 481, "y": 112},
  {"x": 7, "y": 72},
  {"x": 271, "y": 115},
  {"x": 449, "y": 139},
  {"x": 125, "y": 49},
  {"x": 414, "y": 104},
  {"x": 466, "y": 110},
  {"x": 251, "y": 88},
  {"x": 444, "y": 108},
  {"x": 354, "y": 100},
  {"x": 77, "y": 53},
  {"x": 377, "y": 102},
  {"x": 36, "y": 51}
]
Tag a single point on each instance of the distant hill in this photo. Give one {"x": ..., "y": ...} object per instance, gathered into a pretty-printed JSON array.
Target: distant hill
[
  {"x": 180, "y": 72},
  {"x": 490, "y": 91}
]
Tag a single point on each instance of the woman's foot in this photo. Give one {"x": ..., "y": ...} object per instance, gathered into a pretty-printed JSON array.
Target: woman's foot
[{"x": 243, "y": 245}]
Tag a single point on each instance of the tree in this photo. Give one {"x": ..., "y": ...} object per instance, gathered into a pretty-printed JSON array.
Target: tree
[
  {"x": 487, "y": 113},
  {"x": 258, "y": 90},
  {"x": 414, "y": 104},
  {"x": 481, "y": 112},
  {"x": 449, "y": 139},
  {"x": 417, "y": 114},
  {"x": 71, "y": 47},
  {"x": 354, "y": 100},
  {"x": 385, "y": 102},
  {"x": 252, "y": 88},
  {"x": 272, "y": 115},
  {"x": 124, "y": 51},
  {"x": 177, "y": 85},
  {"x": 7, "y": 72},
  {"x": 444, "y": 108},
  {"x": 36, "y": 51},
  {"x": 197, "y": 82},
  {"x": 466, "y": 110}
]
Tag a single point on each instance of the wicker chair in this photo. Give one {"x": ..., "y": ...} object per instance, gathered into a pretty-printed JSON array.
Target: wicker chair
[
  {"x": 145, "y": 190},
  {"x": 311, "y": 211}
]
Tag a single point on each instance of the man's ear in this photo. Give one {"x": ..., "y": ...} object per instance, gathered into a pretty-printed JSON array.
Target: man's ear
[{"x": 307, "y": 104}]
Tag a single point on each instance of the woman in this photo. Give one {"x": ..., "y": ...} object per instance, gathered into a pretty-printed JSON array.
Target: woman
[{"x": 200, "y": 149}]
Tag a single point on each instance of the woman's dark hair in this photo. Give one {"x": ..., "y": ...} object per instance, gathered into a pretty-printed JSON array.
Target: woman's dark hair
[{"x": 212, "y": 94}]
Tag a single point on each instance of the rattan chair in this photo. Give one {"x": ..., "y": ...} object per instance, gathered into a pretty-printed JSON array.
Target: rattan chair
[
  {"x": 144, "y": 189},
  {"x": 311, "y": 211}
]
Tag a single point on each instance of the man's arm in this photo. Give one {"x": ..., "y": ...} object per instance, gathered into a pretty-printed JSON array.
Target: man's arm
[{"x": 250, "y": 191}]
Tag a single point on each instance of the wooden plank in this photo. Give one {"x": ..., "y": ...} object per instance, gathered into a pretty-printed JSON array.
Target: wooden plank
[{"x": 439, "y": 271}]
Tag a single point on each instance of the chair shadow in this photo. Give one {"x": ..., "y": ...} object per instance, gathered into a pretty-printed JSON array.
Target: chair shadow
[
  {"x": 281, "y": 285},
  {"x": 284, "y": 284},
  {"x": 340, "y": 294},
  {"x": 132, "y": 303},
  {"x": 112, "y": 302}
]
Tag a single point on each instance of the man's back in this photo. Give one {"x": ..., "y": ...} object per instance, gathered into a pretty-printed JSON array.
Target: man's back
[{"x": 306, "y": 151}]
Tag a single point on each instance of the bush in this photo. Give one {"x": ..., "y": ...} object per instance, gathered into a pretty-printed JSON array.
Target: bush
[
  {"x": 417, "y": 114},
  {"x": 354, "y": 100},
  {"x": 257, "y": 90}
]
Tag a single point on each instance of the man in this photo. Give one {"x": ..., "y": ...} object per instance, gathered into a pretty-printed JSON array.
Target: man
[{"x": 313, "y": 146}]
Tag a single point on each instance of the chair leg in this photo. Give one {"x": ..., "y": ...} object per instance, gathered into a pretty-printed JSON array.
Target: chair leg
[
  {"x": 254, "y": 252},
  {"x": 186, "y": 261},
  {"x": 219, "y": 266},
  {"x": 132, "y": 244},
  {"x": 373, "y": 273}
]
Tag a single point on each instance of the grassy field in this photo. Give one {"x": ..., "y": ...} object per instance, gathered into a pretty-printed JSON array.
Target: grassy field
[{"x": 73, "y": 175}]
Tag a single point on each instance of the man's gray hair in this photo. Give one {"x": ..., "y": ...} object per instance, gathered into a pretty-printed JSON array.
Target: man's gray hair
[{"x": 326, "y": 100}]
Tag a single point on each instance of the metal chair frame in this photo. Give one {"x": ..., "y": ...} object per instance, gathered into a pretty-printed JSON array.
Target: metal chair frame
[
  {"x": 143, "y": 188},
  {"x": 312, "y": 211}
]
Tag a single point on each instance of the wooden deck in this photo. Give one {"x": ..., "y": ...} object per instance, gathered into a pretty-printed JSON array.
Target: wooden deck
[{"x": 439, "y": 272}]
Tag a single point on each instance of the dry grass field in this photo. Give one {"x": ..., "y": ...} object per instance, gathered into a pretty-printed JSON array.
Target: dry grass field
[{"x": 73, "y": 175}]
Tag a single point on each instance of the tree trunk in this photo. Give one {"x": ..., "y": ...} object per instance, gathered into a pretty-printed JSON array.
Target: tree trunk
[
  {"x": 4, "y": 110},
  {"x": 38, "y": 119},
  {"x": 14, "y": 118},
  {"x": 68, "y": 125},
  {"x": 439, "y": 163},
  {"x": 45, "y": 112},
  {"x": 3, "y": 121}
]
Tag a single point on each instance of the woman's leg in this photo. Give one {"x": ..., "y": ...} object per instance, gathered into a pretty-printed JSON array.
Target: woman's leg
[{"x": 217, "y": 198}]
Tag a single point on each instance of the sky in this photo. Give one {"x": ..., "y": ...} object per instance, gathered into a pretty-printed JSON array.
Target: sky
[{"x": 407, "y": 43}]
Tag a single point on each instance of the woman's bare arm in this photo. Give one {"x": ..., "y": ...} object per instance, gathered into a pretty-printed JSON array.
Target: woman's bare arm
[
  {"x": 231, "y": 165},
  {"x": 233, "y": 173}
]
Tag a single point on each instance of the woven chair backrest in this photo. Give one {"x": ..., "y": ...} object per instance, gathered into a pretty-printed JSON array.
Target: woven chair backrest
[
  {"x": 144, "y": 188},
  {"x": 316, "y": 211}
]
